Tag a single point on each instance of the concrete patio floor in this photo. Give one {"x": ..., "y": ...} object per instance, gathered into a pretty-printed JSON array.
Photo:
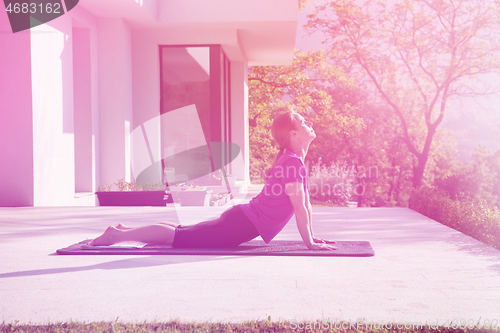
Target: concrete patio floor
[{"x": 422, "y": 271}]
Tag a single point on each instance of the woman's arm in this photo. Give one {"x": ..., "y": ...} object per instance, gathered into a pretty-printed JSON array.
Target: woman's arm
[
  {"x": 303, "y": 215},
  {"x": 309, "y": 208}
]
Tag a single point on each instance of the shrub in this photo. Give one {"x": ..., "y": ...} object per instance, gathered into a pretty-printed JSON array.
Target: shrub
[
  {"x": 479, "y": 177},
  {"x": 471, "y": 216},
  {"x": 124, "y": 186},
  {"x": 332, "y": 183}
]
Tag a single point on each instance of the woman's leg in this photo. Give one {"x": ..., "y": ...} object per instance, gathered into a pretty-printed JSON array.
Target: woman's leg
[
  {"x": 229, "y": 230},
  {"x": 122, "y": 226},
  {"x": 160, "y": 233}
]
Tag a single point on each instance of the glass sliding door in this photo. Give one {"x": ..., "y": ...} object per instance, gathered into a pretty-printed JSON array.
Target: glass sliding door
[{"x": 194, "y": 102}]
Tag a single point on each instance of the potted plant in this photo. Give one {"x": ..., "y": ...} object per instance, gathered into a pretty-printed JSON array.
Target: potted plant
[
  {"x": 219, "y": 199},
  {"x": 191, "y": 195},
  {"x": 231, "y": 180},
  {"x": 225, "y": 179},
  {"x": 132, "y": 194}
]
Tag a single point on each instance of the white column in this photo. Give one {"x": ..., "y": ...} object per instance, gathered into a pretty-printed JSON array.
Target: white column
[
  {"x": 82, "y": 96},
  {"x": 115, "y": 99},
  {"x": 239, "y": 119},
  {"x": 53, "y": 110}
]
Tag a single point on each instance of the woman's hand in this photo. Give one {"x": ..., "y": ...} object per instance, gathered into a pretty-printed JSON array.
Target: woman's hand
[
  {"x": 321, "y": 246},
  {"x": 303, "y": 217},
  {"x": 323, "y": 241}
]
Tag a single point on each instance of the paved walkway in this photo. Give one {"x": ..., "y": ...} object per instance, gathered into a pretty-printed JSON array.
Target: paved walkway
[{"x": 422, "y": 272}]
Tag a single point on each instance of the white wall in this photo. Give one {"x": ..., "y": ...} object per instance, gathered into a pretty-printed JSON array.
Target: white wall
[
  {"x": 239, "y": 119},
  {"x": 97, "y": 90},
  {"x": 115, "y": 99},
  {"x": 146, "y": 100},
  {"x": 227, "y": 11},
  {"x": 53, "y": 87},
  {"x": 146, "y": 77},
  {"x": 82, "y": 97},
  {"x": 86, "y": 23},
  {"x": 113, "y": 88},
  {"x": 53, "y": 122},
  {"x": 16, "y": 129}
]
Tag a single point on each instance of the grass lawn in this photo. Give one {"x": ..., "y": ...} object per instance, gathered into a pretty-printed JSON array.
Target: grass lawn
[{"x": 252, "y": 326}]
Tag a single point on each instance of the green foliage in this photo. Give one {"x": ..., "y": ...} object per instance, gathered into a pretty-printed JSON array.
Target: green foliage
[
  {"x": 478, "y": 178},
  {"x": 471, "y": 216},
  {"x": 351, "y": 127},
  {"x": 377, "y": 97},
  {"x": 332, "y": 183},
  {"x": 415, "y": 56},
  {"x": 302, "y": 4},
  {"x": 123, "y": 185},
  {"x": 322, "y": 93}
]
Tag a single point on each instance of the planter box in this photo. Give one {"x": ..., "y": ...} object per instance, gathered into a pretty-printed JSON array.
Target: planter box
[
  {"x": 221, "y": 201},
  {"x": 231, "y": 181},
  {"x": 192, "y": 198},
  {"x": 133, "y": 198}
]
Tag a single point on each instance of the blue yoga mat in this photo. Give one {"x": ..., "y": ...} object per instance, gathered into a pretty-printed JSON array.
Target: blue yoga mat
[{"x": 252, "y": 248}]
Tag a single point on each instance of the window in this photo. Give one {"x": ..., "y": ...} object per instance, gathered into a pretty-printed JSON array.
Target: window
[{"x": 199, "y": 76}]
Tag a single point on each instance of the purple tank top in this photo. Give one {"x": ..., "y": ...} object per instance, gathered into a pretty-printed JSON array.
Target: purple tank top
[{"x": 271, "y": 209}]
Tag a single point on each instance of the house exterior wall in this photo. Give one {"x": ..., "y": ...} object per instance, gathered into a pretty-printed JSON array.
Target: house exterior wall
[
  {"x": 82, "y": 103},
  {"x": 16, "y": 118},
  {"x": 234, "y": 11},
  {"x": 72, "y": 90},
  {"x": 115, "y": 99},
  {"x": 52, "y": 107},
  {"x": 239, "y": 119},
  {"x": 146, "y": 98},
  {"x": 86, "y": 95},
  {"x": 260, "y": 25},
  {"x": 38, "y": 108},
  {"x": 146, "y": 84},
  {"x": 54, "y": 110}
]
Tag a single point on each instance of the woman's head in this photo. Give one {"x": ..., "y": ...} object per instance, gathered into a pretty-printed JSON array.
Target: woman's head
[
  {"x": 281, "y": 128},
  {"x": 290, "y": 124},
  {"x": 285, "y": 126}
]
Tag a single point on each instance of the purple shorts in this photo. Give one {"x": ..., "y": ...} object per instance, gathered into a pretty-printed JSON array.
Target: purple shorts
[{"x": 231, "y": 229}]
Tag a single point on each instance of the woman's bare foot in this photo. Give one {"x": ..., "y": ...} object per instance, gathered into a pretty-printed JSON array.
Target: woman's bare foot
[{"x": 107, "y": 238}]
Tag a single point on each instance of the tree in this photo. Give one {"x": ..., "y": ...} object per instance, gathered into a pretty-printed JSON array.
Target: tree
[
  {"x": 313, "y": 87},
  {"x": 417, "y": 55},
  {"x": 351, "y": 130}
]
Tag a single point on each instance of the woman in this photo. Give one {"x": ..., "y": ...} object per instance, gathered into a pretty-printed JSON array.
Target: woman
[{"x": 284, "y": 194}]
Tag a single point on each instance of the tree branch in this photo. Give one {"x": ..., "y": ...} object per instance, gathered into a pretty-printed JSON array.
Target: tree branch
[{"x": 408, "y": 141}]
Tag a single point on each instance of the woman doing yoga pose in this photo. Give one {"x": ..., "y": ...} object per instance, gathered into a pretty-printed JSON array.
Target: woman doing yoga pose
[{"x": 284, "y": 194}]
